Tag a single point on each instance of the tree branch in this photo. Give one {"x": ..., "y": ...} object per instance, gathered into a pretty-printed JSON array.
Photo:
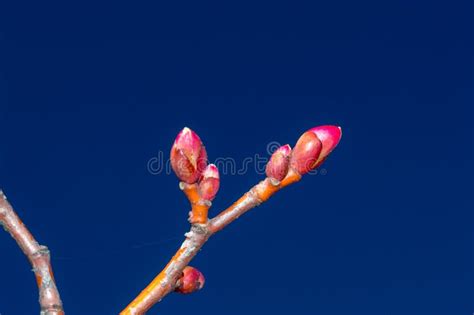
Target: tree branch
[
  {"x": 166, "y": 280},
  {"x": 38, "y": 255},
  {"x": 200, "y": 183}
]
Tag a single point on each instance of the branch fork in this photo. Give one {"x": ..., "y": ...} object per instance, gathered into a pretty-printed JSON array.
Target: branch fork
[{"x": 284, "y": 168}]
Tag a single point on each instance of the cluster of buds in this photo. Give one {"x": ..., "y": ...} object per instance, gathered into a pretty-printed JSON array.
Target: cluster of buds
[
  {"x": 190, "y": 281},
  {"x": 200, "y": 180},
  {"x": 189, "y": 162},
  {"x": 310, "y": 151}
]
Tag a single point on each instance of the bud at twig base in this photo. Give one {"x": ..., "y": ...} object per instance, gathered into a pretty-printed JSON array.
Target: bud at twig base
[
  {"x": 279, "y": 163},
  {"x": 191, "y": 281},
  {"x": 209, "y": 182}
]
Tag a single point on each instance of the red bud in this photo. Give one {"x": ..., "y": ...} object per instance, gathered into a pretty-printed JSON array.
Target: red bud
[
  {"x": 192, "y": 280},
  {"x": 329, "y": 137},
  {"x": 306, "y": 152},
  {"x": 209, "y": 184},
  {"x": 279, "y": 163},
  {"x": 188, "y": 156}
]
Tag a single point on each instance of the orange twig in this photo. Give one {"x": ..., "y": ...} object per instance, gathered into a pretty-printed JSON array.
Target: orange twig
[
  {"x": 199, "y": 206},
  {"x": 254, "y": 197},
  {"x": 38, "y": 255},
  {"x": 166, "y": 280}
]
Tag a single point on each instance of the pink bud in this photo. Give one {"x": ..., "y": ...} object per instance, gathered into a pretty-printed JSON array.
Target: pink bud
[
  {"x": 191, "y": 281},
  {"x": 209, "y": 183},
  {"x": 188, "y": 156},
  {"x": 279, "y": 163},
  {"x": 329, "y": 137},
  {"x": 305, "y": 153}
]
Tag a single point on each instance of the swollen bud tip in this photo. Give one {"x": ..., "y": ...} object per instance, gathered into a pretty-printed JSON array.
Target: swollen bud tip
[
  {"x": 329, "y": 136},
  {"x": 188, "y": 156},
  {"x": 209, "y": 183},
  {"x": 279, "y": 163},
  {"x": 306, "y": 153},
  {"x": 191, "y": 281}
]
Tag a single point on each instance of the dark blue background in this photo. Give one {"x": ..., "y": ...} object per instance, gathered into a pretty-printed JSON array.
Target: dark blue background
[{"x": 90, "y": 93}]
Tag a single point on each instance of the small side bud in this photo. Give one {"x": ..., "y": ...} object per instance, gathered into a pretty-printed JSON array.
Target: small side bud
[
  {"x": 329, "y": 137},
  {"x": 209, "y": 183},
  {"x": 279, "y": 163},
  {"x": 191, "y": 281},
  {"x": 305, "y": 153},
  {"x": 188, "y": 156}
]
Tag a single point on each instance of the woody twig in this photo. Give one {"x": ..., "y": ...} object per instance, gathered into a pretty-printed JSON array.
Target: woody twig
[
  {"x": 38, "y": 255},
  {"x": 200, "y": 183}
]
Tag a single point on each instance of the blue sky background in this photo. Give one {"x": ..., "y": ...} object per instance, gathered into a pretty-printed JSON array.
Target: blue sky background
[{"x": 90, "y": 93}]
